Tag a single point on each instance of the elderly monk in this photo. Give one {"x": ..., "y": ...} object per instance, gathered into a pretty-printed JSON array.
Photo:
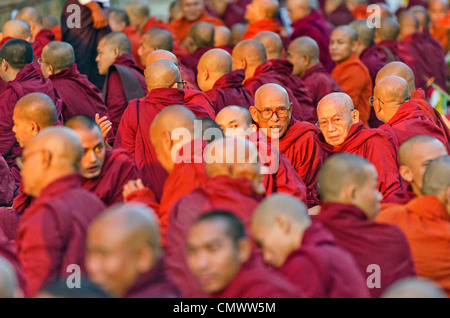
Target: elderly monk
[
  {"x": 439, "y": 20},
  {"x": 425, "y": 221},
  {"x": 298, "y": 141},
  {"x": 194, "y": 99},
  {"x": 58, "y": 64},
  {"x": 17, "y": 69},
  {"x": 233, "y": 275},
  {"x": 404, "y": 71},
  {"x": 348, "y": 189},
  {"x": 279, "y": 174},
  {"x": 124, "y": 255},
  {"x": 124, "y": 79},
  {"x": 250, "y": 55},
  {"x": 403, "y": 117},
  {"x": 104, "y": 172},
  {"x": 350, "y": 73},
  {"x": 414, "y": 287},
  {"x": 222, "y": 38},
  {"x": 342, "y": 131},
  {"x": 307, "y": 21},
  {"x": 40, "y": 36},
  {"x": 52, "y": 231},
  {"x": 261, "y": 16},
  {"x": 222, "y": 85},
  {"x": 186, "y": 165},
  {"x": 304, "y": 252},
  {"x": 15, "y": 29},
  {"x": 303, "y": 53},
  {"x": 193, "y": 12},
  {"x": 233, "y": 185}
]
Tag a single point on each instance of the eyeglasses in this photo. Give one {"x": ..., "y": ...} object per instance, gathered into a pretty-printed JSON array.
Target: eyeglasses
[
  {"x": 371, "y": 100},
  {"x": 181, "y": 84},
  {"x": 40, "y": 61},
  {"x": 267, "y": 113},
  {"x": 336, "y": 120}
]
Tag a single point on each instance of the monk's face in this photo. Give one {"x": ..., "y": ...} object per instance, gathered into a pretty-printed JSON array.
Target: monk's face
[
  {"x": 144, "y": 48},
  {"x": 163, "y": 145},
  {"x": 105, "y": 58},
  {"x": 213, "y": 257},
  {"x": 335, "y": 121},
  {"x": 23, "y": 129},
  {"x": 295, "y": 11},
  {"x": 367, "y": 197},
  {"x": 297, "y": 59},
  {"x": 255, "y": 11},
  {"x": 115, "y": 27},
  {"x": 437, "y": 11},
  {"x": 233, "y": 123},
  {"x": 93, "y": 153},
  {"x": 192, "y": 9},
  {"x": 341, "y": 46}
]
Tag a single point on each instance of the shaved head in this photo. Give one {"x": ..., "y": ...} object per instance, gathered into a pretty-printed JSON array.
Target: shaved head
[
  {"x": 272, "y": 43},
  {"x": 60, "y": 55},
  {"x": 259, "y": 10},
  {"x": 414, "y": 287},
  {"x": 422, "y": 15},
  {"x": 419, "y": 143},
  {"x": 213, "y": 65},
  {"x": 9, "y": 285},
  {"x": 202, "y": 34},
  {"x": 303, "y": 53},
  {"x": 348, "y": 31},
  {"x": 409, "y": 24},
  {"x": 139, "y": 7},
  {"x": 49, "y": 22},
  {"x": 248, "y": 55},
  {"x": 29, "y": 14},
  {"x": 366, "y": 35},
  {"x": 389, "y": 30},
  {"x": 17, "y": 29},
  {"x": 436, "y": 178},
  {"x": 83, "y": 123},
  {"x": 222, "y": 36},
  {"x": 117, "y": 40},
  {"x": 161, "y": 55},
  {"x": 37, "y": 107},
  {"x": 392, "y": 89},
  {"x": 161, "y": 74},
  {"x": 399, "y": 69},
  {"x": 237, "y": 33},
  {"x": 235, "y": 121},
  {"x": 160, "y": 39}
]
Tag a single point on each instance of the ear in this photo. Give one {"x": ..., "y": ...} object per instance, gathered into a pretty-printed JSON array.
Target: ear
[
  {"x": 167, "y": 140},
  {"x": 205, "y": 74},
  {"x": 35, "y": 128},
  {"x": 145, "y": 259},
  {"x": 306, "y": 60},
  {"x": 406, "y": 173},
  {"x": 355, "y": 116},
  {"x": 254, "y": 113},
  {"x": 46, "y": 159},
  {"x": 116, "y": 52},
  {"x": 245, "y": 249},
  {"x": 283, "y": 223},
  {"x": 355, "y": 46},
  {"x": 348, "y": 193}
]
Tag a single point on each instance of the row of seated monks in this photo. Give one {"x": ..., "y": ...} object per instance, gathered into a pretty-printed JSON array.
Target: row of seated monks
[{"x": 244, "y": 149}]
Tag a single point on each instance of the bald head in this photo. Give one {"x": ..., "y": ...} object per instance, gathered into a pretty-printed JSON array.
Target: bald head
[
  {"x": 272, "y": 43},
  {"x": 422, "y": 15},
  {"x": 399, "y": 69},
  {"x": 392, "y": 89},
  {"x": 30, "y": 15},
  {"x": 119, "y": 41},
  {"x": 161, "y": 55},
  {"x": 414, "y": 287},
  {"x": 202, "y": 34},
  {"x": 49, "y": 22},
  {"x": 83, "y": 123},
  {"x": 389, "y": 30},
  {"x": 303, "y": 53},
  {"x": 160, "y": 39},
  {"x": 269, "y": 91},
  {"x": 222, "y": 36},
  {"x": 366, "y": 35},
  {"x": 348, "y": 32},
  {"x": 37, "y": 107},
  {"x": 409, "y": 24},
  {"x": 419, "y": 144},
  {"x": 436, "y": 179},
  {"x": 8, "y": 280},
  {"x": 259, "y": 10},
  {"x": 213, "y": 65},
  {"x": 138, "y": 8},
  {"x": 235, "y": 121},
  {"x": 161, "y": 74},
  {"x": 60, "y": 55},
  {"x": 17, "y": 29},
  {"x": 248, "y": 55},
  {"x": 237, "y": 33}
]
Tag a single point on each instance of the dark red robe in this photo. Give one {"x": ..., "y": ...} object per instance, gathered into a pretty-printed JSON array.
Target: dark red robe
[
  {"x": 75, "y": 87},
  {"x": 322, "y": 269},
  {"x": 340, "y": 16},
  {"x": 369, "y": 243},
  {"x": 191, "y": 60},
  {"x": 233, "y": 14},
  {"x": 7, "y": 184},
  {"x": 314, "y": 26},
  {"x": 52, "y": 231},
  {"x": 374, "y": 58},
  {"x": 43, "y": 38},
  {"x": 199, "y": 103},
  {"x": 228, "y": 90},
  {"x": 392, "y": 48}
]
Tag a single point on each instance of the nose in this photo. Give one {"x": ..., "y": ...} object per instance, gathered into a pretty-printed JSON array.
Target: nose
[
  {"x": 202, "y": 260},
  {"x": 276, "y": 118},
  {"x": 330, "y": 126},
  {"x": 92, "y": 156}
]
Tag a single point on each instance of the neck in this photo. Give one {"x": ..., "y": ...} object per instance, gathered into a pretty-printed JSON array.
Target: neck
[
  {"x": 250, "y": 71},
  {"x": 312, "y": 64},
  {"x": 11, "y": 75},
  {"x": 52, "y": 176}
]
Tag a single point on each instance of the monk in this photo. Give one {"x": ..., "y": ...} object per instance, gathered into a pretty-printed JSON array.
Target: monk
[
  {"x": 403, "y": 117},
  {"x": 233, "y": 275},
  {"x": 7, "y": 184},
  {"x": 61, "y": 207},
  {"x": 58, "y": 64},
  {"x": 279, "y": 174},
  {"x": 237, "y": 33},
  {"x": 222, "y": 38},
  {"x": 414, "y": 287},
  {"x": 350, "y": 73},
  {"x": 348, "y": 189},
  {"x": 118, "y": 20},
  {"x": 40, "y": 36},
  {"x": 303, "y": 53},
  {"x": 298, "y": 141},
  {"x": 307, "y": 21},
  {"x": 222, "y": 85},
  {"x": 51, "y": 23},
  {"x": 230, "y": 12},
  {"x": 358, "y": 8},
  {"x": 9, "y": 286},
  {"x": 186, "y": 165},
  {"x": 342, "y": 131},
  {"x": 336, "y": 12},
  {"x": 250, "y": 55},
  {"x": 194, "y": 99},
  {"x": 193, "y": 11},
  {"x": 104, "y": 172},
  {"x": 261, "y": 16},
  {"x": 23, "y": 78},
  {"x": 231, "y": 186},
  {"x": 124, "y": 81},
  {"x": 152, "y": 40},
  {"x": 15, "y": 29},
  {"x": 438, "y": 15},
  {"x": 425, "y": 221},
  {"x": 132, "y": 266},
  {"x": 386, "y": 38},
  {"x": 304, "y": 252}
]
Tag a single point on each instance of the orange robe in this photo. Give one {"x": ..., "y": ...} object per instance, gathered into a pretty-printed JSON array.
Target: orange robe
[
  {"x": 181, "y": 26},
  {"x": 262, "y": 25},
  {"x": 426, "y": 224},
  {"x": 354, "y": 79}
]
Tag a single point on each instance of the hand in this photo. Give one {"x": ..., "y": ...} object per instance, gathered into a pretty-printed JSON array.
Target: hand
[
  {"x": 131, "y": 186},
  {"x": 98, "y": 15},
  {"x": 104, "y": 123}
]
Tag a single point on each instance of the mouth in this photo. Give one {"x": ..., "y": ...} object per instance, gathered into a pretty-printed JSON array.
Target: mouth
[
  {"x": 275, "y": 128},
  {"x": 92, "y": 169},
  {"x": 334, "y": 138},
  {"x": 205, "y": 279}
]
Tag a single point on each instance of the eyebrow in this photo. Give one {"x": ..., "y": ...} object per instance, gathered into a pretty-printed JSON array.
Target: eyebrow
[{"x": 232, "y": 121}]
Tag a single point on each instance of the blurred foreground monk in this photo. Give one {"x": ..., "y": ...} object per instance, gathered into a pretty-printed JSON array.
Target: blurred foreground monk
[
  {"x": 342, "y": 131},
  {"x": 414, "y": 287},
  {"x": 104, "y": 172},
  {"x": 12, "y": 280},
  {"x": 15, "y": 29},
  {"x": 348, "y": 188},
  {"x": 298, "y": 141},
  {"x": 132, "y": 266},
  {"x": 425, "y": 221},
  {"x": 303, "y": 53},
  {"x": 233, "y": 275},
  {"x": 250, "y": 55},
  {"x": 52, "y": 231},
  {"x": 80, "y": 97},
  {"x": 124, "y": 79},
  {"x": 222, "y": 85},
  {"x": 261, "y": 16},
  {"x": 350, "y": 73},
  {"x": 304, "y": 252},
  {"x": 233, "y": 185},
  {"x": 279, "y": 174},
  {"x": 7, "y": 184},
  {"x": 18, "y": 70},
  {"x": 40, "y": 36}
]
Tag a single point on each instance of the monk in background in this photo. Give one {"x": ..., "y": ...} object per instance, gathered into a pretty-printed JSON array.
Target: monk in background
[
  {"x": 414, "y": 287},
  {"x": 222, "y": 38},
  {"x": 15, "y": 29},
  {"x": 439, "y": 22},
  {"x": 262, "y": 16},
  {"x": 7, "y": 184}
]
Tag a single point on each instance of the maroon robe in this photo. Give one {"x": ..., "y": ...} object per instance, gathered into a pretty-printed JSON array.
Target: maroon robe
[
  {"x": 153, "y": 284},
  {"x": 314, "y": 26},
  {"x": 116, "y": 98},
  {"x": 370, "y": 243},
  {"x": 391, "y": 47},
  {"x": 191, "y": 60},
  {"x": 8, "y": 252},
  {"x": 52, "y": 231},
  {"x": 280, "y": 72},
  {"x": 188, "y": 76},
  {"x": 322, "y": 269},
  {"x": 402, "y": 197},
  {"x": 233, "y": 14},
  {"x": 228, "y": 90},
  {"x": 374, "y": 58},
  {"x": 75, "y": 87},
  {"x": 44, "y": 37},
  {"x": 199, "y": 103},
  {"x": 7, "y": 184},
  {"x": 119, "y": 168},
  {"x": 133, "y": 134},
  {"x": 219, "y": 193},
  {"x": 340, "y": 16}
]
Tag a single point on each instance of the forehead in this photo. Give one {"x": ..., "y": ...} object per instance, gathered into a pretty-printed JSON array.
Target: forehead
[
  {"x": 331, "y": 108},
  {"x": 427, "y": 151},
  {"x": 272, "y": 97},
  {"x": 226, "y": 116},
  {"x": 341, "y": 35},
  {"x": 89, "y": 135},
  {"x": 107, "y": 233},
  {"x": 206, "y": 232},
  {"x": 190, "y": 2}
]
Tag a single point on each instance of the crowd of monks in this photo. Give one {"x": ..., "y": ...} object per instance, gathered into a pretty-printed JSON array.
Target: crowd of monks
[{"x": 242, "y": 149}]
